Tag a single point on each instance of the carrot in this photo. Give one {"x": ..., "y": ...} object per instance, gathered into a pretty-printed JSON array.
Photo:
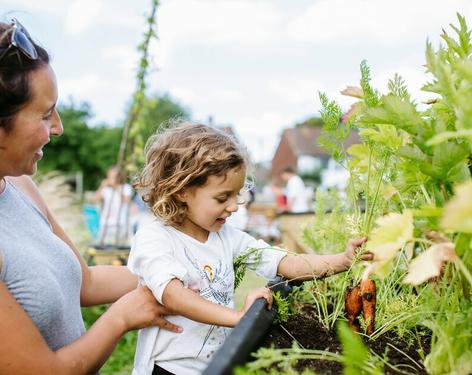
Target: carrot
[
  {"x": 353, "y": 307},
  {"x": 369, "y": 298}
]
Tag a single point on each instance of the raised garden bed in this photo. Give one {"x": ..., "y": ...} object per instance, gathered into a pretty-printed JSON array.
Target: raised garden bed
[
  {"x": 309, "y": 333},
  {"x": 395, "y": 354}
]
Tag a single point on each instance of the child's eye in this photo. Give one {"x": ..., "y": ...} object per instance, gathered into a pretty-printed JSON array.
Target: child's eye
[{"x": 221, "y": 199}]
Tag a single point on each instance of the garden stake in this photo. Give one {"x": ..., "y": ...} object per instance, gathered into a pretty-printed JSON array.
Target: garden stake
[
  {"x": 353, "y": 307},
  {"x": 368, "y": 294}
]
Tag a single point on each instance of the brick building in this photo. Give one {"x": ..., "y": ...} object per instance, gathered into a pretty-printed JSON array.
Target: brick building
[{"x": 299, "y": 149}]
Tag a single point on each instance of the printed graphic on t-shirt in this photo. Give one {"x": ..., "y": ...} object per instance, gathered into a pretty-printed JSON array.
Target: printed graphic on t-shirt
[{"x": 216, "y": 285}]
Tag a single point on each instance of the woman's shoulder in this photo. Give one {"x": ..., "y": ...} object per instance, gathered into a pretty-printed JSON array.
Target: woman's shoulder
[{"x": 26, "y": 185}]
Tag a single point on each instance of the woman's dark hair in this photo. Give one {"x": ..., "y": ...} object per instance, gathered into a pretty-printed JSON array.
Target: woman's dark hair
[{"x": 15, "y": 69}]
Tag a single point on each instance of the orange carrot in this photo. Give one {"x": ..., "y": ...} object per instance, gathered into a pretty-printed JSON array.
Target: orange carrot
[
  {"x": 353, "y": 307},
  {"x": 369, "y": 298}
]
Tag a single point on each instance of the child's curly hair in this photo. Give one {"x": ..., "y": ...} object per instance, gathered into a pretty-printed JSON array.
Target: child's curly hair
[{"x": 182, "y": 156}]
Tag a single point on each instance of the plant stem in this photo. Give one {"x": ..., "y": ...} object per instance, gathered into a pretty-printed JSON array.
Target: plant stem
[
  {"x": 372, "y": 206},
  {"x": 426, "y": 195},
  {"x": 367, "y": 191},
  {"x": 458, "y": 262}
]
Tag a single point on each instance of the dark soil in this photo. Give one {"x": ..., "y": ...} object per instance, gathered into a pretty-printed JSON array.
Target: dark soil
[{"x": 309, "y": 332}]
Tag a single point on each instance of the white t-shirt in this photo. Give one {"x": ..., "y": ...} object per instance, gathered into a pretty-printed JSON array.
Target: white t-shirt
[
  {"x": 160, "y": 253},
  {"x": 296, "y": 193},
  {"x": 112, "y": 214}
]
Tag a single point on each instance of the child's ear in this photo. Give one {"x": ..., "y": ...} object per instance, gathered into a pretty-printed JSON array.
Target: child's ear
[{"x": 181, "y": 196}]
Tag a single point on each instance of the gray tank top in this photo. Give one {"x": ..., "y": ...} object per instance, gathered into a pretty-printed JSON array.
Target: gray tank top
[{"x": 39, "y": 270}]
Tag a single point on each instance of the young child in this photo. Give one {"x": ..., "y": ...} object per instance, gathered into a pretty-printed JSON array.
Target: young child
[{"x": 191, "y": 181}]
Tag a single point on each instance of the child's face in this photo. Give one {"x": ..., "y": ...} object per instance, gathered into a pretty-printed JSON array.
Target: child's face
[{"x": 211, "y": 204}]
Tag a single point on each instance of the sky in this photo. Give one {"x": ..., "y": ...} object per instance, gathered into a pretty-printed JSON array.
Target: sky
[{"x": 256, "y": 65}]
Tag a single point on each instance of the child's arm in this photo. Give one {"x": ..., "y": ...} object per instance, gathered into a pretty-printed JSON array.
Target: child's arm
[
  {"x": 183, "y": 301},
  {"x": 309, "y": 266}
]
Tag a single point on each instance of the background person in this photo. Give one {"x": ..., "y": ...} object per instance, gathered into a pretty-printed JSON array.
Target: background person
[
  {"x": 43, "y": 279},
  {"x": 295, "y": 191},
  {"x": 115, "y": 196}
]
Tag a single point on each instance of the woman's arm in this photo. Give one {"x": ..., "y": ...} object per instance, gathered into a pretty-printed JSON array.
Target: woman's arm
[
  {"x": 183, "y": 301},
  {"x": 24, "y": 351},
  {"x": 309, "y": 266},
  {"x": 100, "y": 284}
]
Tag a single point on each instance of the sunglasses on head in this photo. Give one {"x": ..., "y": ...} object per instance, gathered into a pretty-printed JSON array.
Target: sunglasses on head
[{"x": 21, "y": 40}]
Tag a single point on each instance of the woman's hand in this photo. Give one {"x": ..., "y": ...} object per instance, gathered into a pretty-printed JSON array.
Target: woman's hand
[
  {"x": 251, "y": 298},
  {"x": 139, "y": 309},
  {"x": 353, "y": 248}
]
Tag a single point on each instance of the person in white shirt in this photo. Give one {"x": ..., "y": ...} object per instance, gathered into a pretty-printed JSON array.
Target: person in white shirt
[
  {"x": 115, "y": 196},
  {"x": 192, "y": 181},
  {"x": 295, "y": 190}
]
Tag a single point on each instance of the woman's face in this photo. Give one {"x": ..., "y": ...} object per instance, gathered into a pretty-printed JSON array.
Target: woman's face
[{"x": 22, "y": 147}]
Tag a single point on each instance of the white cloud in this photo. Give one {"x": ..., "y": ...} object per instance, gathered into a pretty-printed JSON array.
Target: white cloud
[
  {"x": 259, "y": 132},
  {"x": 122, "y": 55},
  {"x": 21, "y": 8},
  {"x": 108, "y": 96},
  {"x": 184, "y": 94},
  {"x": 223, "y": 23},
  {"x": 382, "y": 22},
  {"x": 83, "y": 86},
  {"x": 296, "y": 90},
  {"x": 81, "y": 15}
]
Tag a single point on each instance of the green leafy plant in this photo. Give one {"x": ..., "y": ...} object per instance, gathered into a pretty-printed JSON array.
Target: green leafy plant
[
  {"x": 283, "y": 308},
  {"x": 357, "y": 358},
  {"x": 411, "y": 175}
]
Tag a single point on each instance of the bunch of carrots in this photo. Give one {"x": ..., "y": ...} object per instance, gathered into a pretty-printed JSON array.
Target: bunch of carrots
[{"x": 361, "y": 299}]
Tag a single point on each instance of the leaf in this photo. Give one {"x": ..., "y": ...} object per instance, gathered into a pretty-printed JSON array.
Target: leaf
[
  {"x": 354, "y": 91},
  {"x": 412, "y": 152},
  {"x": 398, "y": 112},
  {"x": 354, "y": 351},
  {"x": 359, "y": 159},
  {"x": 427, "y": 211},
  {"x": 392, "y": 232},
  {"x": 448, "y": 156},
  {"x": 457, "y": 213},
  {"x": 385, "y": 134},
  {"x": 430, "y": 263},
  {"x": 357, "y": 358},
  {"x": 448, "y": 135}
]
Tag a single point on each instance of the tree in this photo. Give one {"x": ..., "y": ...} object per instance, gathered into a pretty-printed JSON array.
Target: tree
[
  {"x": 154, "y": 114},
  {"x": 312, "y": 121},
  {"x": 81, "y": 147},
  {"x": 93, "y": 149},
  {"x": 157, "y": 111}
]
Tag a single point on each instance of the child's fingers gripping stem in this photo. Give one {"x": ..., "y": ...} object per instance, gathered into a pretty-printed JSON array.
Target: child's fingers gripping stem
[{"x": 354, "y": 247}]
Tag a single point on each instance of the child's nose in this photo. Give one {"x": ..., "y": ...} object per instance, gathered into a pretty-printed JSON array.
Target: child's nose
[{"x": 232, "y": 207}]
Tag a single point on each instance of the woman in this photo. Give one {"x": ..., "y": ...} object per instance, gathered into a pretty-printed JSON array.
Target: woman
[{"x": 43, "y": 279}]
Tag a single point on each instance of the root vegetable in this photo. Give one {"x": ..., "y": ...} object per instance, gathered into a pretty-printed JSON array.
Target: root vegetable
[
  {"x": 353, "y": 307},
  {"x": 368, "y": 293}
]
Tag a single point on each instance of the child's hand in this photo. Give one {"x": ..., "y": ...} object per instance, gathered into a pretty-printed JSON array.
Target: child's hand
[
  {"x": 258, "y": 293},
  {"x": 353, "y": 248}
]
